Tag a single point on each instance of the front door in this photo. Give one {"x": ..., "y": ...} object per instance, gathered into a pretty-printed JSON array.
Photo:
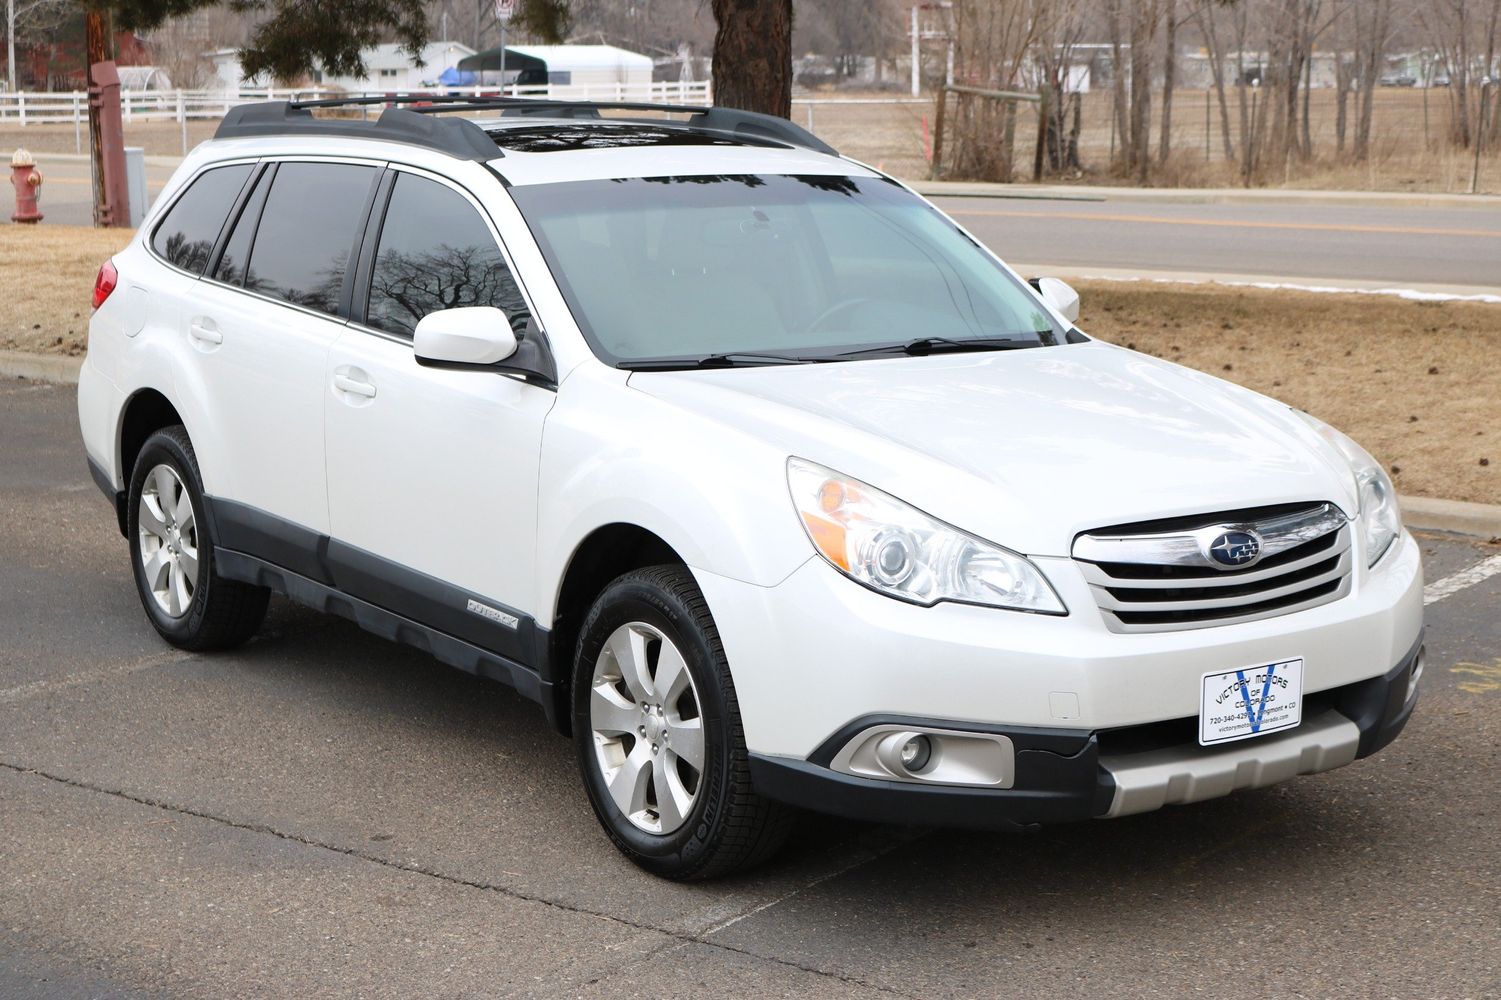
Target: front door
[{"x": 433, "y": 473}]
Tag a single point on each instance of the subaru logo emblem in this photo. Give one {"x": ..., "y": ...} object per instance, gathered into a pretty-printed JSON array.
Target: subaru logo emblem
[{"x": 1234, "y": 549}]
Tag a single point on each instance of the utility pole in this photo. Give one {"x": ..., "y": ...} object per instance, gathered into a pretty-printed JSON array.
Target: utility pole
[{"x": 94, "y": 47}]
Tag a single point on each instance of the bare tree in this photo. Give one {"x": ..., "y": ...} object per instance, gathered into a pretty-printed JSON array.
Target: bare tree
[{"x": 1373, "y": 24}]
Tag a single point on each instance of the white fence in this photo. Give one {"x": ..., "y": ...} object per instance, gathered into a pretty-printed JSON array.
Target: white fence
[{"x": 42, "y": 108}]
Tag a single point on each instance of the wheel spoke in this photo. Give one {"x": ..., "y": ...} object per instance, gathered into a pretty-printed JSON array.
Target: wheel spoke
[
  {"x": 156, "y": 567},
  {"x": 672, "y": 674},
  {"x": 609, "y": 713},
  {"x": 685, "y": 737},
  {"x": 188, "y": 559},
  {"x": 673, "y": 800},
  {"x": 166, "y": 488},
  {"x": 183, "y": 511},
  {"x": 150, "y": 518},
  {"x": 628, "y": 782},
  {"x": 180, "y": 598},
  {"x": 628, "y": 646}
]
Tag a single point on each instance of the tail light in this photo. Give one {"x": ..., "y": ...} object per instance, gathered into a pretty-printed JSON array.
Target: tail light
[{"x": 105, "y": 282}]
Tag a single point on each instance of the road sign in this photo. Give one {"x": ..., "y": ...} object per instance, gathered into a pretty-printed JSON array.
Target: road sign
[{"x": 504, "y": 9}]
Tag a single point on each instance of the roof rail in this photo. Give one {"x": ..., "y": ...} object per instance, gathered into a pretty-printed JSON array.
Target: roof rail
[
  {"x": 461, "y": 137},
  {"x": 456, "y": 136}
]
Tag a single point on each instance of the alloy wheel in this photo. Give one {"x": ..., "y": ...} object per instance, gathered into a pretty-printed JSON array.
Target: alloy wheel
[
  {"x": 647, "y": 728},
  {"x": 168, "y": 549}
]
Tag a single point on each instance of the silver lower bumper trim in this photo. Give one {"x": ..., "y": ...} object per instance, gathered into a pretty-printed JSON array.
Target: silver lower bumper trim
[{"x": 1147, "y": 781}]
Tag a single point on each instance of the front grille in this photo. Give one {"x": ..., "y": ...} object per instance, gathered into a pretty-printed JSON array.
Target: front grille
[{"x": 1156, "y": 580}]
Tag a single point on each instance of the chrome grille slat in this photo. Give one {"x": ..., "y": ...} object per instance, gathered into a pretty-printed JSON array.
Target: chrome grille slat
[
  {"x": 1098, "y": 576},
  {"x": 1181, "y": 548},
  {"x": 1111, "y": 603},
  {"x": 1156, "y": 581}
]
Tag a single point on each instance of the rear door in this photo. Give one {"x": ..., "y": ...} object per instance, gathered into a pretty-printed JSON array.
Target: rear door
[
  {"x": 433, "y": 472},
  {"x": 262, "y": 324}
]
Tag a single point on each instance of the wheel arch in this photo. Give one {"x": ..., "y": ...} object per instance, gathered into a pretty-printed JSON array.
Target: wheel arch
[{"x": 607, "y": 552}]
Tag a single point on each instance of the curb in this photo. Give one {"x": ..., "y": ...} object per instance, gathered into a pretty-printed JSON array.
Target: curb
[
  {"x": 1457, "y": 516},
  {"x": 42, "y": 367},
  {"x": 1422, "y": 513}
]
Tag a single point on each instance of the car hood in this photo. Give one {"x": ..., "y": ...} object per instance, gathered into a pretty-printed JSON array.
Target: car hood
[{"x": 1028, "y": 448}]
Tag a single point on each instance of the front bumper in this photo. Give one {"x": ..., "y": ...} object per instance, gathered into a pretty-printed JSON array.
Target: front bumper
[{"x": 1063, "y": 775}]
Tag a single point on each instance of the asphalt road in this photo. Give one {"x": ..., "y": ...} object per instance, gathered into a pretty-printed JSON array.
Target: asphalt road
[
  {"x": 1309, "y": 242},
  {"x": 323, "y": 814},
  {"x": 1312, "y": 243}
]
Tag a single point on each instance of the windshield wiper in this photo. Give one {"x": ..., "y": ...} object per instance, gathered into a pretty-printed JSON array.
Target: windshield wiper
[
  {"x": 930, "y": 345},
  {"x": 731, "y": 359}
]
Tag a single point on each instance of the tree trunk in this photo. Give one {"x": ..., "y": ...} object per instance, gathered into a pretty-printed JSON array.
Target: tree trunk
[
  {"x": 1205, "y": 17},
  {"x": 753, "y": 55},
  {"x": 1341, "y": 103},
  {"x": 1169, "y": 79},
  {"x": 1144, "y": 15},
  {"x": 1118, "y": 75}
]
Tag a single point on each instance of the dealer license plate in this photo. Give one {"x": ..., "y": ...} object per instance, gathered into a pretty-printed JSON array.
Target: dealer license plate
[{"x": 1252, "y": 701}]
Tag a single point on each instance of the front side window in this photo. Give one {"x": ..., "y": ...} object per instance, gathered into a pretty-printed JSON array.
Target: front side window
[
  {"x": 723, "y": 267},
  {"x": 301, "y": 247},
  {"x": 189, "y": 230},
  {"x": 435, "y": 252}
]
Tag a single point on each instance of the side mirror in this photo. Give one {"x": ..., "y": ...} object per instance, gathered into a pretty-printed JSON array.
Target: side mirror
[
  {"x": 468, "y": 335},
  {"x": 1061, "y": 296}
]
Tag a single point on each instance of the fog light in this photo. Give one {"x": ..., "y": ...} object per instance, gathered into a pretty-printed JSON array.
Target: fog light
[
  {"x": 1416, "y": 674},
  {"x": 916, "y": 753}
]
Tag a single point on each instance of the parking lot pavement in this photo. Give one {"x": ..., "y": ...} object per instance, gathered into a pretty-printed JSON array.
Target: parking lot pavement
[{"x": 323, "y": 814}]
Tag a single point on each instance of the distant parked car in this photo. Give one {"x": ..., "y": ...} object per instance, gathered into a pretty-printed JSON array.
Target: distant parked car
[{"x": 1398, "y": 80}]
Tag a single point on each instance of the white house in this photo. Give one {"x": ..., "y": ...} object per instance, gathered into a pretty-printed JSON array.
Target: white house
[
  {"x": 387, "y": 67},
  {"x": 562, "y": 65}
]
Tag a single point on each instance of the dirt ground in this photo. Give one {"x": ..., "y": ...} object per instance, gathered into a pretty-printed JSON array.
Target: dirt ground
[{"x": 1409, "y": 380}]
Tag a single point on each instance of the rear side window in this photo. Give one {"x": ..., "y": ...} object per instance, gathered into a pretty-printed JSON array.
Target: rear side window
[
  {"x": 231, "y": 266},
  {"x": 188, "y": 231},
  {"x": 301, "y": 248},
  {"x": 435, "y": 252}
]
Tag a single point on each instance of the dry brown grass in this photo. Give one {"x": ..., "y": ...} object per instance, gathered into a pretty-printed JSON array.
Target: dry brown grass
[
  {"x": 46, "y": 277},
  {"x": 1416, "y": 383}
]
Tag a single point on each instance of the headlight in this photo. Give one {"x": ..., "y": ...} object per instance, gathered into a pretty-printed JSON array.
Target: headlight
[
  {"x": 1380, "y": 518},
  {"x": 892, "y": 547}
]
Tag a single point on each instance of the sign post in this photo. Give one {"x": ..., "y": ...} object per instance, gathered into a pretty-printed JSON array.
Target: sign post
[{"x": 503, "y": 11}]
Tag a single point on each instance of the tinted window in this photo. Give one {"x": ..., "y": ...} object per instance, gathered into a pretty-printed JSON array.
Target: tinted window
[
  {"x": 188, "y": 231},
  {"x": 301, "y": 248},
  {"x": 231, "y": 266},
  {"x": 435, "y": 252}
]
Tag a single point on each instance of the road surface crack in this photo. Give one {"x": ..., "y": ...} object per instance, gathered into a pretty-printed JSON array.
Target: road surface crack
[{"x": 680, "y": 937}]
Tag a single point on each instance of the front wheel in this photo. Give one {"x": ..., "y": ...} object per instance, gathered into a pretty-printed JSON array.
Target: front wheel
[{"x": 658, "y": 733}]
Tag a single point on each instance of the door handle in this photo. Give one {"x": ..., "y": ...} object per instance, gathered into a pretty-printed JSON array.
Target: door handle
[
  {"x": 353, "y": 386},
  {"x": 204, "y": 332}
]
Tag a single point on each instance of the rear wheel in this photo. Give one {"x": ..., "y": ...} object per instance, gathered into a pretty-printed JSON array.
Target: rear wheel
[
  {"x": 172, "y": 555},
  {"x": 658, "y": 733}
]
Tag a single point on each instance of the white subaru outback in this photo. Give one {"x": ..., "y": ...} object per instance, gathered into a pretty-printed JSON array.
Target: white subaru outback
[{"x": 771, "y": 484}]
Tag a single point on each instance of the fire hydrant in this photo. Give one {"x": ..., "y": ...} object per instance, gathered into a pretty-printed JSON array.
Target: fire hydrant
[{"x": 27, "y": 181}]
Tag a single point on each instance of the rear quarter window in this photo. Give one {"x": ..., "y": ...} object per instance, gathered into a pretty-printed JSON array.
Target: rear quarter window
[{"x": 187, "y": 233}]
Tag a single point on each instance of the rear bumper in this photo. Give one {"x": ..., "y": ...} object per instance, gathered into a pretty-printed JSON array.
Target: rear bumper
[{"x": 1063, "y": 775}]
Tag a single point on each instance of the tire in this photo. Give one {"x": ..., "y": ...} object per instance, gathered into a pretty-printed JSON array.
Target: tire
[
  {"x": 187, "y": 601},
  {"x": 722, "y": 826}
]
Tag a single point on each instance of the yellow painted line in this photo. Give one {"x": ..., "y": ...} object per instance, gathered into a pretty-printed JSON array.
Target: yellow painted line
[
  {"x": 1226, "y": 224},
  {"x": 1488, "y": 677}
]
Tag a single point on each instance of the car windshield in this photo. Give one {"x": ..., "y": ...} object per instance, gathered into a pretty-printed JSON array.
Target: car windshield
[{"x": 772, "y": 269}]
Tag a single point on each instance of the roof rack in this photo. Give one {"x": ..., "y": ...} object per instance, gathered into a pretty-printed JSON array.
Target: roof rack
[{"x": 419, "y": 125}]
